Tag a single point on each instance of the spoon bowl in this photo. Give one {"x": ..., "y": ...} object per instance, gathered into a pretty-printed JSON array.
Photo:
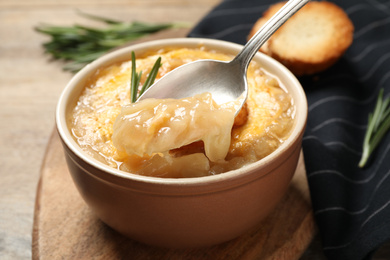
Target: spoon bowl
[
  {"x": 226, "y": 81},
  {"x": 185, "y": 81}
]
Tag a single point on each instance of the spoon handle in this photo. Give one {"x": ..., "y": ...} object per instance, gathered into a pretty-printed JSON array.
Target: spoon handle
[{"x": 265, "y": 32}]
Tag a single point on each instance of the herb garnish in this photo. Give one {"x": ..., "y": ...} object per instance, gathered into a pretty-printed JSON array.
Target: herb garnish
[
  {"x": 378, "y": 125},
  {"x": 81, "y": 45},
  {"x": 136, "y": 77}
]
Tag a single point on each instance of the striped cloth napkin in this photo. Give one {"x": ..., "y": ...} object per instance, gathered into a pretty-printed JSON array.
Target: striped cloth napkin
[{"x": 351, "y": 205}]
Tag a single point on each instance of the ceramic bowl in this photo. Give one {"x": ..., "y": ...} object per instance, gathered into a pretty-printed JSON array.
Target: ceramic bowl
[{"x": 188, "y": 212}]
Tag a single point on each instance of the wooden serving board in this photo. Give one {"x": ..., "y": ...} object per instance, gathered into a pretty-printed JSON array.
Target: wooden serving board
[{"x": 65, "y": 228}]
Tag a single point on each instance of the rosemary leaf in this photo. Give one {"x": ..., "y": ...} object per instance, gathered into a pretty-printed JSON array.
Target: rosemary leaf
[
  {"x": 80, "y": 45},
  {"x": 380, "y": 133},
  {"x": 378, "y": 125},
  {"x": 376, "y": 117},
  {"x": 98, "y": 18},
  {"x": 136, "y": 78},
  {"x": 152, "y": 76}
]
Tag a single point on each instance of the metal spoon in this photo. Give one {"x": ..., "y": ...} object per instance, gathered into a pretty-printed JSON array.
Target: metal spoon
[{"x": 226, "y": 81}]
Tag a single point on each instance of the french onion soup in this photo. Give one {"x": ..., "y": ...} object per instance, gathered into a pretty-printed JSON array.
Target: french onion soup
[{"x": 177, "y": 138}]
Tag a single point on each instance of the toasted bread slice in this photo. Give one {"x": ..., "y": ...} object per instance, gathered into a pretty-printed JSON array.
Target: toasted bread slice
[{"x": 312, "y": 40}]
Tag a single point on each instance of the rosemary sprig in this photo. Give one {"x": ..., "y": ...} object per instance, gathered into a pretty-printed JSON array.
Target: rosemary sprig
[
  {"x": 80, "y": 45},
  {"x": 136, "y": 77},
  {"x": 377, "y": 127}
]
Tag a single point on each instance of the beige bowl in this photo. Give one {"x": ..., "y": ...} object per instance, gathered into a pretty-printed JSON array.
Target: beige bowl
[{"x": 188, "y": 212}]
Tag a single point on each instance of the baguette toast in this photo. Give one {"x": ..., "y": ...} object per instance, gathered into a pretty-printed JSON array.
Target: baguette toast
[{"x": 312, "y": 40}]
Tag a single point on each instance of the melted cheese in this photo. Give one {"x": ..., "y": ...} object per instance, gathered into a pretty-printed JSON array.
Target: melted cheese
[
  {"x": 106, "y": 98},
  {"x": 157, "y": 126}
]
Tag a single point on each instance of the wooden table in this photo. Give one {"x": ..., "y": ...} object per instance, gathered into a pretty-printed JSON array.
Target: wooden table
[{"x": 30, "y": 85}]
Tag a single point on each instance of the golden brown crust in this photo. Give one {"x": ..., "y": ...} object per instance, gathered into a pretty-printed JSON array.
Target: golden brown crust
[
  {"x": 242, "y": 116},
  {"x": 310, "y": 41}
]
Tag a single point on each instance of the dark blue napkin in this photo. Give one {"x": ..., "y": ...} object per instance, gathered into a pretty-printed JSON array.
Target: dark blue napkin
[{"x": 351, "y": 205}]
